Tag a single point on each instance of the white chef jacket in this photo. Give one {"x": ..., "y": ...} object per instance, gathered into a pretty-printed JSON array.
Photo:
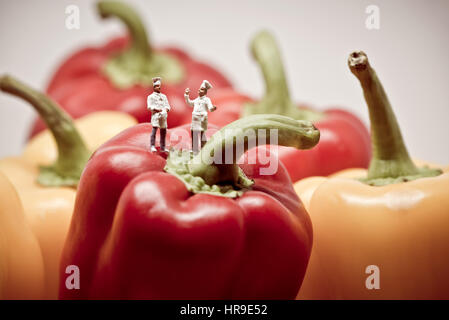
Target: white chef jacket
[
  {"x": 199, "y": 115},
  {"x": 158, "y": 101},
  {"x": 200, "y": 105}
]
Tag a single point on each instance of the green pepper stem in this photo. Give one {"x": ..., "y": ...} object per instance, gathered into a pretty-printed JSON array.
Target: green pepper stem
[
  {"x": 138, "y": 64},
  {"x": 235, "y": 139},
  {"x": 390, "y": 159},
  {"x": 277, "y": 97},
  {"x": 139, "y": 38},
  {"x": 266, "y": 53},
  {"x": 72, "y": 152}
]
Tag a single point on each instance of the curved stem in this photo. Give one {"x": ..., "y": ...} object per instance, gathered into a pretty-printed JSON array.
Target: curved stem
[
  {"x": 266, "y": 53},
  {"x": 390, "y": 159},
  {"x": 72, "y": 152},
  {"x": 217, "y": 161},
  {"x": 138, "y": 64},
  {"x": 139, "y": 38},
  {"x": 277, "y": 97}
]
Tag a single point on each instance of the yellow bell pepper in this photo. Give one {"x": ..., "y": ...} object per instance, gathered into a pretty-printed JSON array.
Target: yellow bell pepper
[
  {"x": 21, "y": 264},
  {"x": 386, "y": 234},
  {"x": 46, "y": 175}
]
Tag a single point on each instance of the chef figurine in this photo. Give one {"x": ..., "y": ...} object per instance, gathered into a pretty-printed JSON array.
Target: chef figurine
[
  {"x": 157, "y": 102},
  {"x": 201, "y": 106}
]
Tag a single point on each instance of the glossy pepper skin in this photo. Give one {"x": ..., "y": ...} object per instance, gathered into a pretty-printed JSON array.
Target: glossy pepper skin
[
  {"x": 45, "y": 176},
  {"x": 139, "y": 232},
  {"x": 117, "y": 76},
  {"x": 344, "y": 141},
  {"x": 394, "y": 216}
]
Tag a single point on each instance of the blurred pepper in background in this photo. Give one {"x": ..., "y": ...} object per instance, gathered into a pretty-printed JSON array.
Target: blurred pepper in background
[
  {"x": 344, "y": 139},
  {"x": 45, "y": 176},
  {"x": 117, "y": 76},
  {"x": 395, "y": 218}
]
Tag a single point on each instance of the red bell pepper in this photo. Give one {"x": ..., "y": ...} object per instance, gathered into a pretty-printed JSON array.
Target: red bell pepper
[
  {"x": 344, "y": 143},
  {"x": 147, "y": 227},
  {"x": 117, "y": 76}
]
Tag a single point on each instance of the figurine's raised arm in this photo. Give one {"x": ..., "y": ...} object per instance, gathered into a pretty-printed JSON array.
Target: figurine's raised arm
[{"x": 187, "y": 98}]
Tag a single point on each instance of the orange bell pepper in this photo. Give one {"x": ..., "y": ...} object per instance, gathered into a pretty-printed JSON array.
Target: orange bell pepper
[
  {"x": 21, "y": 265},
  {"x": 384, "y": 236},
  {"x": 46, "y": 174}
]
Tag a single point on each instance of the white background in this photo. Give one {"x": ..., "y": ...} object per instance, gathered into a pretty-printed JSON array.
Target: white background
[{"x": 410, "y": 53}]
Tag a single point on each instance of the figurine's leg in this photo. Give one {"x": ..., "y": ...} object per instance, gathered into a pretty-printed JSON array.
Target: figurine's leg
[
  {"x": 153, "y": 139},
  {"x": 195, "y": 142},
  {"x": 163, "y": 132},
  {"x": 203, "y": 138}
]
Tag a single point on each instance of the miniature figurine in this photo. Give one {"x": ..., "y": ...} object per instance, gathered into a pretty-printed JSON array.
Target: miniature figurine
[
  {"x": 201, "y": 106},
  {"x": 157, "y": 102}
]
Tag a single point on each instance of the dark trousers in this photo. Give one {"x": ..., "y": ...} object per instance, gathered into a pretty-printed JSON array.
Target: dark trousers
[
  {"x": 197, "y": 135},
  {"x": 163, "y": 132}
]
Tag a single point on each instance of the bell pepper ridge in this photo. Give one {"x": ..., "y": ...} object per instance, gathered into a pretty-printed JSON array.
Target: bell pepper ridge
[
  {"x": 390, "y": 162},
  {"x": 139, "y": 63},
  {"x": 277, "y": 97},
  {"x": 72, "y": 151}
]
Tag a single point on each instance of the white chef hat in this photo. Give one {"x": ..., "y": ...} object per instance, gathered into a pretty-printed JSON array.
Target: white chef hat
[
  {"x": 206, "y": 85},
  {"x": 156, "y": 81}
]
